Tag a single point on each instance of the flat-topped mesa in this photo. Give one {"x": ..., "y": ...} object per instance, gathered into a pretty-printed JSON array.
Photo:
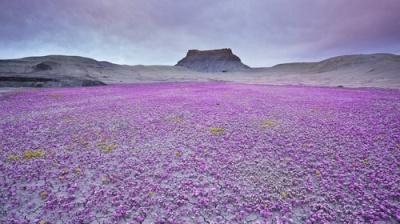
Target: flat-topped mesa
[
  {"x": 217, "y": 51},
  {"x": 219, "y": 60}
]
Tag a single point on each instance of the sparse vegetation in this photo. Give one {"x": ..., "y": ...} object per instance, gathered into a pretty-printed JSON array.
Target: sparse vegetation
[{"x": 203, "y": 152}]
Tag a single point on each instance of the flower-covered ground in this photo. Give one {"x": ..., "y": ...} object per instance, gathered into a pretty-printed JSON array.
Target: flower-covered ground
[{"x": 200, "y": 153}]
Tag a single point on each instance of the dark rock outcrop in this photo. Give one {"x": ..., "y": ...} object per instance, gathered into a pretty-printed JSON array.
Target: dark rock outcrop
[
  {"x": 26, "y": 81},
  {"x": 45, "y": 66},
  {"x": 221, "y": 60},
  {"x": 16, "y": 81}
]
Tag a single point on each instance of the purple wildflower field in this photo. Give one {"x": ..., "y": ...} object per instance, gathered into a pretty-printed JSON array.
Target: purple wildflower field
[{"x": 200, "y": 153}]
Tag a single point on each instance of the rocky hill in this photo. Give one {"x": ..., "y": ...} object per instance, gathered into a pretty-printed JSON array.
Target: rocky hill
[
  {"x": 221, "y": 60},
  {"x": 50, "y": 71}
]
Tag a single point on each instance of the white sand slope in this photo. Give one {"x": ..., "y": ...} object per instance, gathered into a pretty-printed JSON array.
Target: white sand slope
[{"x": 374, "y": 70}]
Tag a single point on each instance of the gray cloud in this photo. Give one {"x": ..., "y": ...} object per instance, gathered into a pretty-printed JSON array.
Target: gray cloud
[{"x": 262, "y": 33}]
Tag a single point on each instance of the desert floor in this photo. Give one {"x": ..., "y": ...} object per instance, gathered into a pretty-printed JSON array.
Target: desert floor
[{"x": 205, "y": 152}]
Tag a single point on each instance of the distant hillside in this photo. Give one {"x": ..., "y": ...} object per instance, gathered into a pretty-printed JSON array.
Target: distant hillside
[
  {"x": 341, "y": 63},
  {"x": 64, "y": 71},
  {"x": 50, "y": 71},
  {"x": 363, "y": 70},
  {"x": 372, "y": 70}
]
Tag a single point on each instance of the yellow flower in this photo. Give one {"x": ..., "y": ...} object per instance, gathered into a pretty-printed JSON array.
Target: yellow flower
[
  {"x": 317, "y": 172},
  {"x": 150, "y": 193},
  {"x": 177, "y": 153},
  {"x": 43, "y": 194},
  {"x": 32, "y": 153},
  {"x": 11, "y": 157},
  {"x": 42, "y": 222},
  {"x": 366, "y": 160},
  {"x": 283, "y": 194},
  {"x": 268, "y": 122},
  {"x": 77, "y": 170},
  {"x": 216, "y": 130},
  {"x": 286, "y": 158}
]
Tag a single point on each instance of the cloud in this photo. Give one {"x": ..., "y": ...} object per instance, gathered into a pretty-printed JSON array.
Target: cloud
[{"x": 160, "y": 32}]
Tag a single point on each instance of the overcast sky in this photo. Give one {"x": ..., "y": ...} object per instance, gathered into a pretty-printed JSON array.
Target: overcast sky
[{"x": 261, "y": 33}]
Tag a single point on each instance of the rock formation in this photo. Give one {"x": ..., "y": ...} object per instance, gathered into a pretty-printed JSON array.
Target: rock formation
[{"x": 222, "y": 60}]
